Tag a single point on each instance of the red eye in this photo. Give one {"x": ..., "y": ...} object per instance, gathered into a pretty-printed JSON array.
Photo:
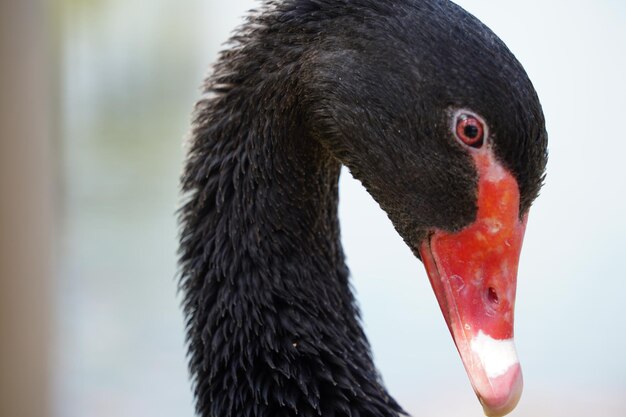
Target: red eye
[{"x": 470, "y": 130}]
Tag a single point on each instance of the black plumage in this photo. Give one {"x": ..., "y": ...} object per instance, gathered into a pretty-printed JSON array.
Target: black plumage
[{"x": 308, "y": 85}]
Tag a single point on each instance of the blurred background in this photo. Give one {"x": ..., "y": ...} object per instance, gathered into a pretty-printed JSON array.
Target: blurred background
[{"x": 95, "y": 98}]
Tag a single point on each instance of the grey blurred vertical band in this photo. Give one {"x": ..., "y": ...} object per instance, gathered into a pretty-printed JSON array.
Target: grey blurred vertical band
[{"x": 26, "y": 210}]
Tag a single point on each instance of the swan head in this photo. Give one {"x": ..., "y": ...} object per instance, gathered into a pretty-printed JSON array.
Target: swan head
[{"x": 441, "y": 124}]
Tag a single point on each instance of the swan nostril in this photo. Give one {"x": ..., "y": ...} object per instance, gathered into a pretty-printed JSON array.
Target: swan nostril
[{"x": 492, "y": 296}]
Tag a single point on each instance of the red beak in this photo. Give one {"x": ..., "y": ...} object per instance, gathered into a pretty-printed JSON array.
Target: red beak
[{"x": 474, "y": 274}]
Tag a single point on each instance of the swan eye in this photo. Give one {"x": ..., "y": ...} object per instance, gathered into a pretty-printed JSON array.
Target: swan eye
[{"x": 470, "y": 130}]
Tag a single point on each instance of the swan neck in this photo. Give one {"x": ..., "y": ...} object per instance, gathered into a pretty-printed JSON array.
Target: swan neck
[{"x": 271, "y": 318}]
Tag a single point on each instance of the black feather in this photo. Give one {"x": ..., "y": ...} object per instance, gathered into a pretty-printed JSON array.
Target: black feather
[{"x": 308, "y": 85}]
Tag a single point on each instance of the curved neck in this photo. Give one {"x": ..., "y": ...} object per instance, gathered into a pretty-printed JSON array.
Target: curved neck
[{"x": 272, "y": 324}]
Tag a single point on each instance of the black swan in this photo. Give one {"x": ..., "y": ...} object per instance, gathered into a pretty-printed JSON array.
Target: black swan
[{"x": 439, "y": 122}]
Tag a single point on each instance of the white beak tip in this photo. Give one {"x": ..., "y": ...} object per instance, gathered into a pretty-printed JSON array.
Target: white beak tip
[{"x": 505, "y": 393}]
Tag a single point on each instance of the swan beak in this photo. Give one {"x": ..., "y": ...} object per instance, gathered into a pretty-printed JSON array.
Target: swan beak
[{"x": 473, "y": 273}]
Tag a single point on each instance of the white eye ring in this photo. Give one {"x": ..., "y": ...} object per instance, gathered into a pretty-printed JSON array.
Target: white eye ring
[{"x": 469, "y": 128}]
